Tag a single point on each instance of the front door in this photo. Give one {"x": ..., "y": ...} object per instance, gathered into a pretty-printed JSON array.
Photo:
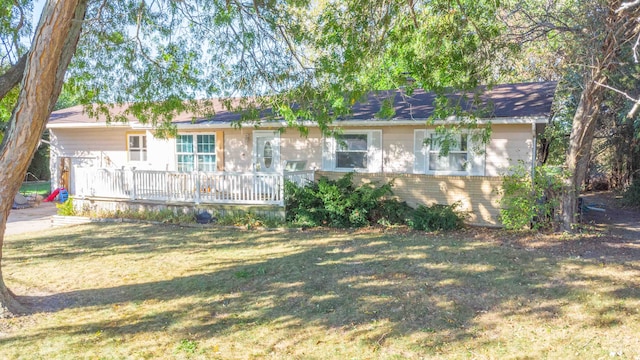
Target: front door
[{"x": 266, "y": 151}]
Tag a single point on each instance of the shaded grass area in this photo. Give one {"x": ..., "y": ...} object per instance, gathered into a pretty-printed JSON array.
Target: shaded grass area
[
  {"x": 35, "y": 187},
  {"x": 132, "y": 291}
]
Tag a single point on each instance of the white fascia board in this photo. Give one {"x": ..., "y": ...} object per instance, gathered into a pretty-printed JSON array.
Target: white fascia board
[
  {"x": 376, "y": 122},
  {"x": 87, "y": 125},
  {"x": 450, "y": 120},
  {"x": 339, "y": 123},
  {"x": 189, "y": 126}
]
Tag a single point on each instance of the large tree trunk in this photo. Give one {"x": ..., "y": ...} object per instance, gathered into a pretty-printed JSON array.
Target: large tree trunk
[
  {"x": 51, "y": 51},
  {"x": 620, "y": 27},
  {"x": 577, "y": 162}
]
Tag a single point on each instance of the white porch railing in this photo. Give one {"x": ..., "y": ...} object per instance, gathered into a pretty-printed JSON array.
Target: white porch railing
[
  {"x": 196, "y": 187},
  {"x": 301, "y": 178}
]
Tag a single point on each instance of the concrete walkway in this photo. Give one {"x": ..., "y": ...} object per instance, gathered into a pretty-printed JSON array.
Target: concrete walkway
[{"x": 30, "y": 219}]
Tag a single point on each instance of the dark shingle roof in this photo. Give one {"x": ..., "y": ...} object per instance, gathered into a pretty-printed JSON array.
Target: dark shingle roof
[{"x": 501, "y": 101}]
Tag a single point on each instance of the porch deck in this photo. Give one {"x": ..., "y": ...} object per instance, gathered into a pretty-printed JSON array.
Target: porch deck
[{"x": 196, "y": 187}]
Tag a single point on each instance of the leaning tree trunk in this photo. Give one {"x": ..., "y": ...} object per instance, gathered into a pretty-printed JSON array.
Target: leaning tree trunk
[
  {"x": 580, "y": 141},
  {"x": 53, "y": 46},
  {"x": 620, "y": 26}
]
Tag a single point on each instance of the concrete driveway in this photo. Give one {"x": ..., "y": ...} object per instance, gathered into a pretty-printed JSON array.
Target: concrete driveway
[{"x": 30, "y": 219}]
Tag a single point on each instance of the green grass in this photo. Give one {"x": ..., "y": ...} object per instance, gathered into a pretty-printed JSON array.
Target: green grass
[
  {"x": 36, "y": 187},
  {"x": 131, "y": 291}
]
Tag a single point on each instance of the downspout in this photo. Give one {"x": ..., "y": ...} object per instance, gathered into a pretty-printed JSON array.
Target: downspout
[{"x": 534, "y": 150}]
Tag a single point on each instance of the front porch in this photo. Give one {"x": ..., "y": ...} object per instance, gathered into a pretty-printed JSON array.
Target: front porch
[{"x": 116, "y": 189}]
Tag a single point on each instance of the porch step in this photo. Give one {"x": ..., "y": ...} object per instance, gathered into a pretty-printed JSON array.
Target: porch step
[{"x": 59, "y": 220}]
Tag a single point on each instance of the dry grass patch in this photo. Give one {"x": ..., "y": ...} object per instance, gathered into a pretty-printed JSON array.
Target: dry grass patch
[{"x": 114, "y": 291}]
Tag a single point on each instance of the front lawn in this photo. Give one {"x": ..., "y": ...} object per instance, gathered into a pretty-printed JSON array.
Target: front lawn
[{"x": 131, "y": 291}]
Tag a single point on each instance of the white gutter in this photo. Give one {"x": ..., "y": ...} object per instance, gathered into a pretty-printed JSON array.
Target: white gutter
[
  {"x": 362, "y": 123},
  {"x": 80, "y": 125},
  {"x": 534, "y": 150},
  {"x": 339, "y": 123}
]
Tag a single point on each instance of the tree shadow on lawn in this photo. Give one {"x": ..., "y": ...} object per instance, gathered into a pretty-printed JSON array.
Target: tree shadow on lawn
[
  {"x": 100, "y": 240},
  {"x": 413, "y": 282}
]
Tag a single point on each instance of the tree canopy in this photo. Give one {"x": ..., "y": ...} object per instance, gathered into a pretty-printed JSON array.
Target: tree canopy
[{"x": 303, "y": 59}]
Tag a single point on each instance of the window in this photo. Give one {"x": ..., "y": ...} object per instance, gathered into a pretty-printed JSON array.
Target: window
[
  {"x": 351, "y": 151},
  {"x": 464, "y": 157},
  {"x": 137, "y": 147},
  {"x": 267, "y": 156},
  {"x": 456, "y": 160},
  {"x": 196, "y": 152},
  {"x": 355, "y": 150}
]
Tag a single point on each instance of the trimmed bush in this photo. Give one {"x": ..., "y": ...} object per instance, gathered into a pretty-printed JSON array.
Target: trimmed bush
[
  {"x": 338, "y": 203},
  {"x": 392, "y": 212},
  {"x": 437, "y": 217}
]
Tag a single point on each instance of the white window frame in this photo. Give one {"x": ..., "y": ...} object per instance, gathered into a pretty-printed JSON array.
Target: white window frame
[
  {"x": 195, "y": 153},
  {"x": 142, "y": 149},
  {"x": 365, "y": 152},
  {"x": 373, "y": 152},
  {"x": 475, "y": 163}
]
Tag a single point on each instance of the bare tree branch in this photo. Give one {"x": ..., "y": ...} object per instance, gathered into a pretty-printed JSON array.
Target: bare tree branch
[
  {"x": 628, "y": 5},
  {"x": 636, "y": 102},
  {"x": 635, "y": 49}
]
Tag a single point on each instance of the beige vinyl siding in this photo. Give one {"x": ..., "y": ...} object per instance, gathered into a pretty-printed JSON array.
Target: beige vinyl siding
[
  {"x": 98, "y": 147},
  {"x": 238, "y": 147},
  {"x": 237, "y": 150},
  {"x": 295, "y": 147},
  {"x": 397, "y": 147},
  {"x": 509, "y": 144},
  {"x": 107, "y": 147}
]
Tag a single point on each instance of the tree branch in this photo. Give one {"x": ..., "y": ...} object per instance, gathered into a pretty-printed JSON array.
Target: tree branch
[
  {"x": 12, "y": 77},
  {"x": 412, "y": 10},
  {"x": 636, "y": 102},
  {"x": 628, "y": 5}
]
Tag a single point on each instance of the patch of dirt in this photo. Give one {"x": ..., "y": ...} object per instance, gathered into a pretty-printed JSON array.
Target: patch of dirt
[{"x": 616, "y": 219}]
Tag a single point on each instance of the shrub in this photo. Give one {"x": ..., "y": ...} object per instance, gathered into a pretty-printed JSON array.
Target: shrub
[
  {"x": 436, "y": 217},
  {"x": 66, "y": 208},
  {"x": 248, "y": 220},
  {"x": 338, "y": 203},
  {"x": 392, "y": 212},
  {"x": 631, "y": 196},
  {"x": 166, "y": 216},
  {"x": 525, "y": 204}
]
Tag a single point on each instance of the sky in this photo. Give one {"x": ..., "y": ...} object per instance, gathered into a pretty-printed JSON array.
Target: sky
[{"x": 37, "y": 10}]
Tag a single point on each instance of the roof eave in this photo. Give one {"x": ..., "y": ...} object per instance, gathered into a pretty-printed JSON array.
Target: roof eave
[
  {"x": 79, "y": 125},
  {"x": 380, "y": 122},
  {"x": 541, "y": 119},
  {"x": 271, "y": 124}
]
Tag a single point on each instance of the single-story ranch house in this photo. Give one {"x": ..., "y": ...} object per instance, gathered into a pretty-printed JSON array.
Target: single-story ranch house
[{"x": 212, "y": 164}]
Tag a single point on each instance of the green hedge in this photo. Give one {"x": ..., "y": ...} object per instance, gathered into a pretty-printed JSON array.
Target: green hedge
[{"x": 340, "y": 204}]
